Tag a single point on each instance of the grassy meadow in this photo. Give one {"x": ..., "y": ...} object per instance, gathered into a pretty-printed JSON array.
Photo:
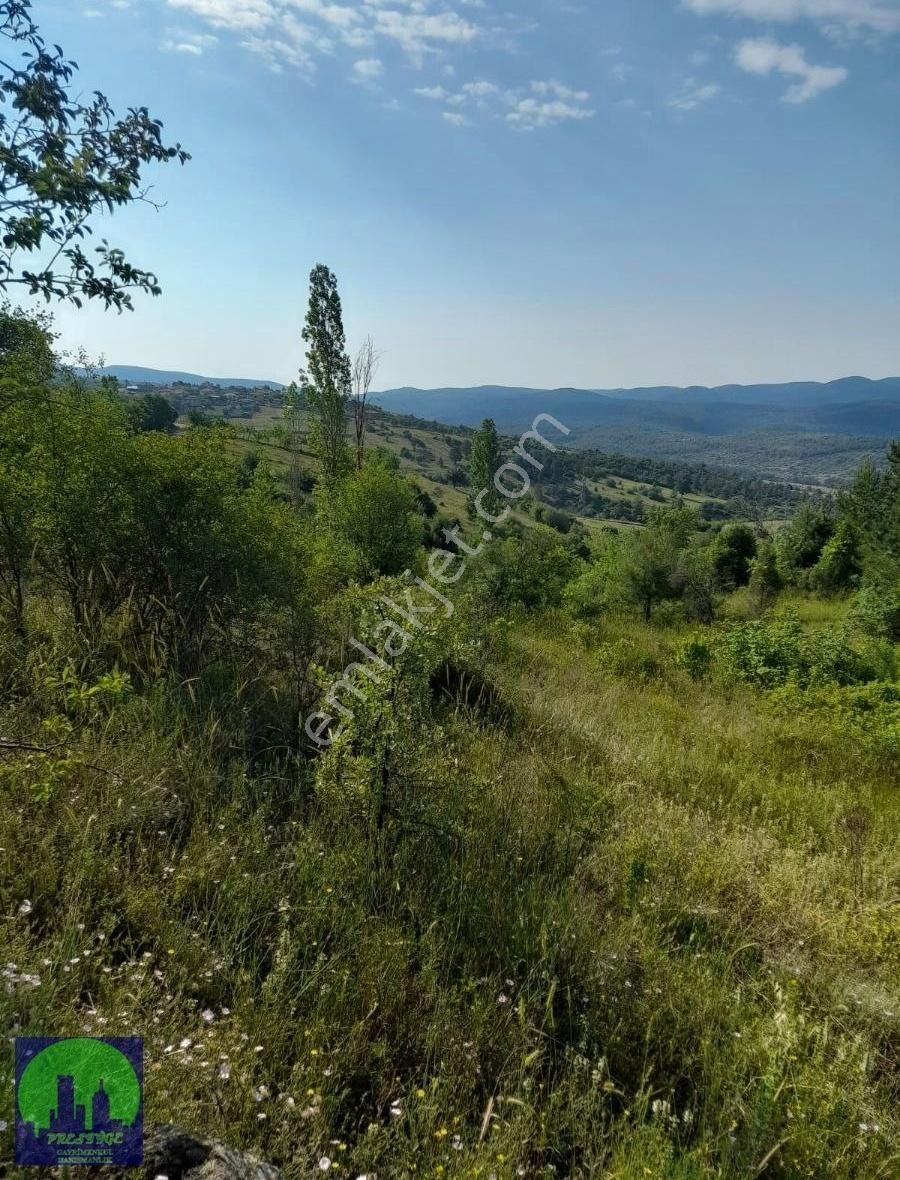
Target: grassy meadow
[{"x": 621, "y": 923}]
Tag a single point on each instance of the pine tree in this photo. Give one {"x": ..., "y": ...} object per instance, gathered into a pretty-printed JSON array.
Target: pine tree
[{"x": 327, "y": 380}]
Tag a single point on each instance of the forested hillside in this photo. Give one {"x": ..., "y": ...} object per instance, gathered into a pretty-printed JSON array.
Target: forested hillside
[{"x": 802, "y": 433}]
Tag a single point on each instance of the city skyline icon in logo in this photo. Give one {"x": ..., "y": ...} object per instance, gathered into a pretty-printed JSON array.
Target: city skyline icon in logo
[{"x": 79, "y": 1101}]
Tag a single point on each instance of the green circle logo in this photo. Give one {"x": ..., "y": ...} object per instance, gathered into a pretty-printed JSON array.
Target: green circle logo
[{"x": 81, "y": 1072}]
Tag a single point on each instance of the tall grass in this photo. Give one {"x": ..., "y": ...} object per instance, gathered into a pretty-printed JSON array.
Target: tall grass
[{"x": 630, "y": 925}]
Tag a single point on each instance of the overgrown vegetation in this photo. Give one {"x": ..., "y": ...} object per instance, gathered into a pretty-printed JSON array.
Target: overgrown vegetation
[
  {"x": 598, "y": 877},
  {"x": 594, "y": 872}
]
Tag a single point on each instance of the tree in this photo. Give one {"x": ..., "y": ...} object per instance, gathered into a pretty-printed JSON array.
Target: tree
[
  {"x": 653, "y": 556},
  {"x": 63, "y": 161},
  {"x": 365, "y": 365},
  {"x": 327, "y": 381},
  {"x": 649, "y": 568},
  {"x": 484, "y": 463},
  {"x": 800, "y": 544},
  {"x": 840, "y": 565},
  {"x": 695, "y": 581},
  {"x": 765, "y": 578},
  {"x": 292, "y": 407},
  {"x": 376, "y": 510},
  {"x": 871, "y": 509},
  {"x": 151, "y": 412},
  {"x": 27, "y": 364},
  {"x": 531, "y": 569},
  {"x": 732, "y": 554}
]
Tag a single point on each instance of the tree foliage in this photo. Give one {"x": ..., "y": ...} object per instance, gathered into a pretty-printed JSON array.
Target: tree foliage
[
  {"x": 63, "y": 161},
  {"x": 484, "y": 463},
  {"x": 377, "y": 510},
  {"x": 732, "y": 555},
  {"x": 327, "y": 379},
  {"x": 151, "y": 412}
]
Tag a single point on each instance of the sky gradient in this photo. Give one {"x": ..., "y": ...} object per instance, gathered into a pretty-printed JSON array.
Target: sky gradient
[{"x": 615, "y": 192}]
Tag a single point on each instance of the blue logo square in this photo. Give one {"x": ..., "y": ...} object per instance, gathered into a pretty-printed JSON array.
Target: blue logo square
[{"x": 79, "y": 1101}]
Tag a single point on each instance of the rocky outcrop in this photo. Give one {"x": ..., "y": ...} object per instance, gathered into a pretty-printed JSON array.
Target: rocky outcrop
[{"x": 181, "y": 1155}]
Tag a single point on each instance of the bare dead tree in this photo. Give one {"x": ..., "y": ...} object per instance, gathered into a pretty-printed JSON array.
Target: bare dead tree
[{"x": 365, "y": 367}]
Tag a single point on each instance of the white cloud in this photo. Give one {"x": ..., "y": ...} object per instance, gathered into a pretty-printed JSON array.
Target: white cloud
[
  {"x": 417, "y": 31},
  {"x": 341, "y": 16},
  {"x": 556, "y": 90},
  {"x": 270, "y": 27},
  {"x": 194, "y": 44},
  {"x": 882, "y": 16},
  {"x": 368, "y": 69},
  {"x": 529, "y": 114},
  {"x": 230, "y": 14},
  {"x": 542, "y": 104},
  {"x": 694, "y": 96},
  {"x": 763, "y": 56}
]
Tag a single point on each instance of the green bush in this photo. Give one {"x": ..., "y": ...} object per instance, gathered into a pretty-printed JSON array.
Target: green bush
[
  {"x": 875, "y": 611},
  {"x": 772, "y": 653},
  {"x": 695, "y": 656}
]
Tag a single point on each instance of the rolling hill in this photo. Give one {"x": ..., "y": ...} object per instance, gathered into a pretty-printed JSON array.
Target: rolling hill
[
  {"x": 802, "y": 431},
  {"x": 138, "y": 375}
]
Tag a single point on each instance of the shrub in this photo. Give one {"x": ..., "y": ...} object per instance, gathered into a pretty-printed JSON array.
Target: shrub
[
  {"x": 876, "y": 611},
  {"x": 695, "y": 656},
  {"x": 769, "y": 654}
]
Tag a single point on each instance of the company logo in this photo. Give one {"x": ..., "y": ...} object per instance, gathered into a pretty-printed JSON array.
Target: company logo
[{"x": 79, "y": 1100}]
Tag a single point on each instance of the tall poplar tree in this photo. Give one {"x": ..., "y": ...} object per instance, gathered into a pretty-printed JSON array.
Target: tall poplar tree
[
  {"x": 326, "y": 381},
  {"x": 486, "y": 460}
]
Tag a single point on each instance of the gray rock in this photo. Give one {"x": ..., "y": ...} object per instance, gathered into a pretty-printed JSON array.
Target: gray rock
[{"x": 182, "y": 1155}]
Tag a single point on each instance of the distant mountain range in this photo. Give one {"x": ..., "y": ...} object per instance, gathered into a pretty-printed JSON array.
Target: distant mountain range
[
  {"x": 801, "y": 430},
  {"x": 136, "y": 375}
]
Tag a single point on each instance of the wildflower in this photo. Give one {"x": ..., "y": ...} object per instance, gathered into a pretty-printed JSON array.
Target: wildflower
[
  {"x": 324, "y": 1163},
  {"x": 503, "y": 998},
  {"x": 224, "y": 1071},
  {"x": 25, "y": 908},
  {"x": 185, "y": 1043},
  {"x": 208, "y": 1015}
]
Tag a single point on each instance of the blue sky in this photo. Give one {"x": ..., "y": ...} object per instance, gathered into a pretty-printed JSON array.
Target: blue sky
[{"x": 616, "y": 192}]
